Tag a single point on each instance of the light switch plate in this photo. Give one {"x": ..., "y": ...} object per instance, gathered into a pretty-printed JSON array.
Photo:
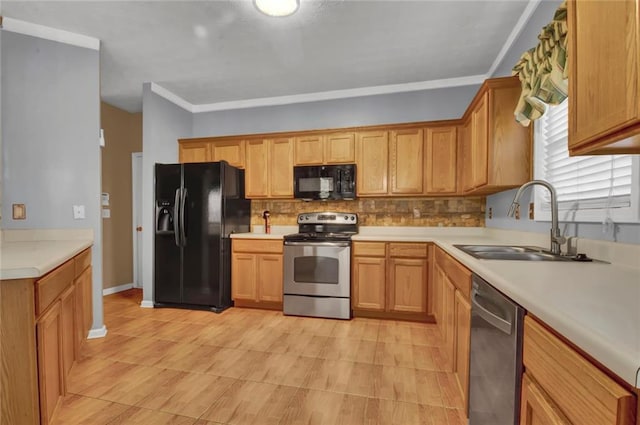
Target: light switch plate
[
  {"x": 106, "y": 213},
  {"x": 78, "y": 212},
  {"x": 19, "y": 211}
]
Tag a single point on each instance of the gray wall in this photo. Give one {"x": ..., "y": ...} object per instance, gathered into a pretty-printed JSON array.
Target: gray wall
[
  {"x": 499, "y": 203},
  {"x": 163, "y": 123},
  {"x": 50, "y": 127},
  {"x": 424, "y": 105}
]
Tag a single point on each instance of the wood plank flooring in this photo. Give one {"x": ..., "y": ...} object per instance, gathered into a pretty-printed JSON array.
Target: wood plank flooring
[{"x": 254, "y": 367}]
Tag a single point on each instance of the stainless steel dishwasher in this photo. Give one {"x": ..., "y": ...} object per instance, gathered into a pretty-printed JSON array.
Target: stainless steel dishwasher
[{"x": 496, "y": 356}]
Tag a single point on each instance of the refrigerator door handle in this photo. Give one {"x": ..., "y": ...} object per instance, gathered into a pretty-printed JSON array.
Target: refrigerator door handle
[
  {"x": 183, "y": 201},
  {"x": 176, "y": 215}
]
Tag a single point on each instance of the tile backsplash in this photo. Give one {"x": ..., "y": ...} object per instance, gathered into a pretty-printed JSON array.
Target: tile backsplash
[{"x": 446, "y": 212}]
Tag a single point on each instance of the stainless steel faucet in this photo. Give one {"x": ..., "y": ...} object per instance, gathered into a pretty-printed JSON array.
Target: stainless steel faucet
[{"x": 556, "y": 239}]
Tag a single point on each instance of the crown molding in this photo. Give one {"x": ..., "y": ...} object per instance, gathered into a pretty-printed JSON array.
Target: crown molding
[
  {"x": 172, "y": 97},
  {"x": 316, "y": 97},
  {"x": 48, "y": 33},
  {"x": 522, "y": 22}
]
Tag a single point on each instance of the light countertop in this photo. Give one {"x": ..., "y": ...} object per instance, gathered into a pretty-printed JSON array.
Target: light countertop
[
  {"x": 594, "y": 305},
  {"x": 26, "y": 254}
]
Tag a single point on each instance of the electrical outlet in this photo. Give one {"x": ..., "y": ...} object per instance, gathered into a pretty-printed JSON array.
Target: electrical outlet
[
  {"x": 416, "y": 213},
  {"x": 517, "y": 214},
  {"x": 78, "y": 212},
  {"x": 490, "y": 213},
  {"x": 531, "y": 209}
]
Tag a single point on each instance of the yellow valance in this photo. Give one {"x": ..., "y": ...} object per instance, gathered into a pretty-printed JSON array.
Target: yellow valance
[{"x": 542, "y": 70}]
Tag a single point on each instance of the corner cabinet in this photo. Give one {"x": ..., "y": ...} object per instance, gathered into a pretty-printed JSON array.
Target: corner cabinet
[
  {"x": 561, "y": 387},
  {"x": 44, "y": 323},
  {"x": 604, "y": 77},
  {"x": 390, "y": 280},
  {"x": 256, "y": 273},
  {"x": 496, "y": 149}
]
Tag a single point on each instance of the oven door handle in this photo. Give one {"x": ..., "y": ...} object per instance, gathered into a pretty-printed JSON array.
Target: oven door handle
[
  {"x": 489, "y": 316},
  {"x": 330, "y": 244}
]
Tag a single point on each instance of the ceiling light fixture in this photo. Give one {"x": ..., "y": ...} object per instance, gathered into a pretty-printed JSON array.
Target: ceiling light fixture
[{"x": 278, "y": 8}]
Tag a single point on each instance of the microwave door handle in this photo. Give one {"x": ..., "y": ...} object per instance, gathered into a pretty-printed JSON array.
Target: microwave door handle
[{"x": 339, "y": 182}]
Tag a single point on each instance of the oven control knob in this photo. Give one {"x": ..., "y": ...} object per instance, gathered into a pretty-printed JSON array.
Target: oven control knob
[
  {"x": 353, "y": 217},
  {"x": 346, "y": 217}
]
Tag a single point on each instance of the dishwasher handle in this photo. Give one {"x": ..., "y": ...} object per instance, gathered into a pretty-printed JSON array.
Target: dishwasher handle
[{"x": 492, "y": 318}]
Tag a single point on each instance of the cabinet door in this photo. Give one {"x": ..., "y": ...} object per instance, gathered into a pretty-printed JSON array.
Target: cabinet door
[
  {"x": 50, "y": 368},
  {"x": 340, "y": 148},
  {"x": 463, "y": 335},
  {"x": 408, "y": 285},
  {"x": 449, "y": 322},
  {"x": 256, "y": 172},
  {"x": 438, "y": 300},
  {"x": 269, "y": 277},
  {"x": 407, "y": 161},
  {"x": 194, "y": 152},
  {"x": 536, "y": 407},
  {"x": 369, "y": 277},
  {"x": 441, "y": 158},
  {"x": 604, "y": 65},
  {"x": 281, "y": 170},
  {"x": 480, "y": 143},
  {"x": 308, "y": 150},
  {"x": 68, "y": 328},
  {"x": 466, "y": 172},
  {"x": 231, "y": 151},
  {"x": 372, "y": 159},
  {"x": 243, "y": 276}
]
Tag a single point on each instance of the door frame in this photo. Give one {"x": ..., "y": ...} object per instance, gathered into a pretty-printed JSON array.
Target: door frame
[{"x": 136, "y": 192}]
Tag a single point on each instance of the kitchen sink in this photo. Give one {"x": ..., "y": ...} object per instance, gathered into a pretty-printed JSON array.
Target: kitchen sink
[{"x": 509, "y": 252}]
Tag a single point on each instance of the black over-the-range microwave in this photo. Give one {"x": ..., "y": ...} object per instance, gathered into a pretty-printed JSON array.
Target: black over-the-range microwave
[{"x": 324, "y": 182}]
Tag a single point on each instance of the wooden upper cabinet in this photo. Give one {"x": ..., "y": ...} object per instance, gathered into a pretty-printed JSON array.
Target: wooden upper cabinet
[
  {"x": 256, "y": 179},
  {"x": 309, "y": 150},
  {"x": 340, "y": 148},
  {"x": 372, "y": 160},
  {"x": 441, "y": 155},
  {"x": 496, "y": 150},
  {"x": 479, "y": 143},
  {"x": 604, "y": 77},
  {"x": 194, "y": 152},
  {"x": 231, "y": 151},
  {"x": 332, "y": 148},
  {"x": 269, "y": 168},
  {"x": 281, "y": 168},
  {"x": 406, "y": 158}
]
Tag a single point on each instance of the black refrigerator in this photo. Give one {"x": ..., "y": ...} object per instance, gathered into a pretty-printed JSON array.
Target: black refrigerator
[{"x": 198, "y": 206}]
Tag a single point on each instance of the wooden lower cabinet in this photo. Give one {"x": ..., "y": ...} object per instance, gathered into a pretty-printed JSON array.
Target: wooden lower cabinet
[
  {"x": 452, "y": 310},
  {"x": 44, "y": 323},
  {"x": 560, "y": 386},
  {"x": 50, "y": 361},
  {"x": 257, "y": 273},
  {"x": 369, "y": 283},
  {"x": 536, "y": 408},
  {"x": 390, "y": 280}
]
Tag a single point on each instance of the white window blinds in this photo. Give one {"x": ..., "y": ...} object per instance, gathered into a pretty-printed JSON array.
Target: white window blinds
[{"x": 582, "y": 182}]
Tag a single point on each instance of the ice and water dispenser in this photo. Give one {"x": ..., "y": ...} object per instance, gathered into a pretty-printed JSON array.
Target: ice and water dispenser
[{"x": 164, "y": 217}]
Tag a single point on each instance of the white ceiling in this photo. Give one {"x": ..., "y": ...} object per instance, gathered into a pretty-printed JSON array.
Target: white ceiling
[{"x": 220, "y": 51}]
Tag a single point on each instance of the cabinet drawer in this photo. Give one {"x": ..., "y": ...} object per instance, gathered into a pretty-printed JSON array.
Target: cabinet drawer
[
  {"x": 585, "y": 394},
  {"x": 368, "y": 249},
  {"x": 459, "y": 275},
  {"x": 258, "y": 245},
  {"x": 413, "y": 250},
  {"x": 51, "y": 285},
  {"x": 82, "y": 261}
]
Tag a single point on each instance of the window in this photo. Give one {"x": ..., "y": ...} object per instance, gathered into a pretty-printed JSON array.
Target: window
[{"x": 591, "y": 188}]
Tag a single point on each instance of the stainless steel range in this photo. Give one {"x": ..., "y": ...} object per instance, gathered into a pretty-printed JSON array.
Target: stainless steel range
[{"x": 317, "y": 265}]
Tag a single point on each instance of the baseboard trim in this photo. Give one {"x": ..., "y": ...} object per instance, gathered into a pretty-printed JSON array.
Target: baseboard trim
[
  {"x": 146, "y": 304},
  {"x": 116, "y": 289},
  {"x": 97, "y": 333}
]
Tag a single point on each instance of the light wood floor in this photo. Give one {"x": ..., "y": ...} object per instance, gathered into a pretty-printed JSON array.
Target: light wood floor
[{"x": 170, "y": 366}]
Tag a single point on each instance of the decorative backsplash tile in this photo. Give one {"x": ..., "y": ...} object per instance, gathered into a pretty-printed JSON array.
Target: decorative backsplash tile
[{"x": 446, "y": 212}]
